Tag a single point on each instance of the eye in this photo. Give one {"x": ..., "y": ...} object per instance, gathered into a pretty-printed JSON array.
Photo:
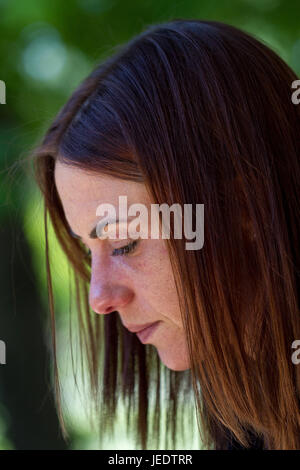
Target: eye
[
  {"x": 125, "y": 250},
  {"x": 122, "y": 251}
]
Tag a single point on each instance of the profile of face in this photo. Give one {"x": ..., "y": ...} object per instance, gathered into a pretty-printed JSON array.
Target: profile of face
[{"x": 137, "y": 283}]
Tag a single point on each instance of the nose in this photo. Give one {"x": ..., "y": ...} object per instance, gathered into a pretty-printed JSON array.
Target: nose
[{"x": 106, "y": 296}]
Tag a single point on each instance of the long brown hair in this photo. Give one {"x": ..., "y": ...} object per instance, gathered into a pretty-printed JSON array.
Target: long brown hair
[{"x": 200, "y": 112}]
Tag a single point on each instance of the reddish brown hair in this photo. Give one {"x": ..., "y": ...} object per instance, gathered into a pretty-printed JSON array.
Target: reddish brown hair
[{"x": 200, "y": 112}]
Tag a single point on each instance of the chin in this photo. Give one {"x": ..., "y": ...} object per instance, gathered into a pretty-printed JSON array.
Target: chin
[{"x": 175, "y": 363}]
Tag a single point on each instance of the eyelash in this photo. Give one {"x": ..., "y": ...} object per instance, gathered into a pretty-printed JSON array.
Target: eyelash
[{"x": 123, "y": 251}]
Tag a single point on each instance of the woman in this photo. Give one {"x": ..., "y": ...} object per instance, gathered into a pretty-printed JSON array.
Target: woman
[{"x": 188, "y": 112}]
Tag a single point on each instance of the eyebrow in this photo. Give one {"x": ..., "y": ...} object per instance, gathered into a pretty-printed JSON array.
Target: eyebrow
[{"x": 93, "y": 232}]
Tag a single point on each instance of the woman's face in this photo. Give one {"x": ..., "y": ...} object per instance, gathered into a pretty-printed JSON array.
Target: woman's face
[{"x": 139, "y": 285}]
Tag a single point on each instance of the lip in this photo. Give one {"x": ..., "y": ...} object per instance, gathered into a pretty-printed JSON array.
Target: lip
[
  {"x": 145, "y": 334},
  {"x": 138, "y": 328}
]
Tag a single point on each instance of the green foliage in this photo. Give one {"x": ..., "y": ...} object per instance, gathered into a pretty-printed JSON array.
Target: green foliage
[{"x": 46, "y": 49}]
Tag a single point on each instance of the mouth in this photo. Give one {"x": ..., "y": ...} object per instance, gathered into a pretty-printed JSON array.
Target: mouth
[
  {"x": 144, "y": 331},
  {"x": 145, "y": 334},
  {"x": 138, "y": 328}
]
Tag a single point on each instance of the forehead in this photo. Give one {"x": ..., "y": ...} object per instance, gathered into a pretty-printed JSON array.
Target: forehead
[
  {"x": 81, "y": 192},
  {"x": 78, "y": 185}
]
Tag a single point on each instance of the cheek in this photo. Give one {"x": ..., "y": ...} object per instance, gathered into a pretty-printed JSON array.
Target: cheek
[
  {"x": 154, "y": 280},
  {"x": 153, "y": 262}
]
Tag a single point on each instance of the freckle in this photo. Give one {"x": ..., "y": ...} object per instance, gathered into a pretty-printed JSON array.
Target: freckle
[{"x": 141, "y": 265}]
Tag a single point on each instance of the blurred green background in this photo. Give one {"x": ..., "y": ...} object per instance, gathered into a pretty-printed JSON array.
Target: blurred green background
[{"x": 47, "y": 47}]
